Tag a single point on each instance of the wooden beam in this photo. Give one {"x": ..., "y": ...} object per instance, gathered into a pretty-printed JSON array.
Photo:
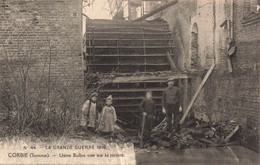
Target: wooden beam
[
  {"x": 132, "y": 105},
  {"x": 135, "y": 98},
  {"x": 155, "y": 11},
  {"x": 197, "y": 92},
  {"x": 145, "y": 78},
  {"x": 128, "y": 27},
  {"x": 169, "y": 57},
  {"x": 85, "y": 16},
  {"x": 142, "y": 131},
  {"x": 185, "y": 94},
  {"x": 183, "y": 52},
  {"x": 132, "y": 90},
  {"x": 232, "y": 133},
  {"x": 135, "y": 33}
]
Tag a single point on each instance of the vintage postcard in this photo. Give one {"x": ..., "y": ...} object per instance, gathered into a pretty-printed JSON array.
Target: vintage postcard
[{"x": 129, "y": 82}]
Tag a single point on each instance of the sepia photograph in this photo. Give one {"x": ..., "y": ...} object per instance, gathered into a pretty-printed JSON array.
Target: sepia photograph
[{"x": 130, "y": 82}]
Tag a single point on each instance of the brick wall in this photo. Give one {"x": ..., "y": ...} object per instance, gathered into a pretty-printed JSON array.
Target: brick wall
[
  {"x": 235, "y": 96},
  {"x": 49, "y": 33}
]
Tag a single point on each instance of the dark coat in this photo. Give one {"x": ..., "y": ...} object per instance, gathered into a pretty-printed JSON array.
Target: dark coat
[
  {"x": 171, "y": 95},
  {"x": 148, "y": 106}
]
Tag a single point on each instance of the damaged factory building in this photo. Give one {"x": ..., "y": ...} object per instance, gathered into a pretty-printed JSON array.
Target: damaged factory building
[{"x": 55, "y": 55}]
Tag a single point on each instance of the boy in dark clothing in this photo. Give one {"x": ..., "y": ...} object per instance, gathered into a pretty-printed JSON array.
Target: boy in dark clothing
[
  {"x": 171, "y": 101},
  {"x": 147, "y": 107}
]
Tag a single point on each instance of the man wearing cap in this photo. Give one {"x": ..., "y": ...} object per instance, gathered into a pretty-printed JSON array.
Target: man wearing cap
[
  {"x": 171, "y": 104},
  {"x": 90, "y": 112}
]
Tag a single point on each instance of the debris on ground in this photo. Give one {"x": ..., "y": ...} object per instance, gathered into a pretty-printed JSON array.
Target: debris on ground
[{"x": 196, "y": 132}]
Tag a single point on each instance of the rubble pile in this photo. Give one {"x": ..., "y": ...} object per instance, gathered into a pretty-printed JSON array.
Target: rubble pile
[
  {"x": 200, "y": 135},
  {"x": 195, "y": 132}
]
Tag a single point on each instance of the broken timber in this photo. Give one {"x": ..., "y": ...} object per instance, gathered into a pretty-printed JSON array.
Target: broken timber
[
  {"x": 173, "y": 67},
  {"x": 232, "y": 133},
  {"x": 142, "y": 131},
  {"x": 137, "y": 78},
  {"x": 197, "y": 92}
]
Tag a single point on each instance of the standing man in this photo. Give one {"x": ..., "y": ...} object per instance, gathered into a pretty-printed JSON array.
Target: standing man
[{"x": 171, "y": 101}]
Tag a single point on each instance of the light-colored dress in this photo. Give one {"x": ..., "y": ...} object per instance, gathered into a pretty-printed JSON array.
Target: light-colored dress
[
  {"x": 92, "y": 114},
  {"x": 108, "y": 119}
]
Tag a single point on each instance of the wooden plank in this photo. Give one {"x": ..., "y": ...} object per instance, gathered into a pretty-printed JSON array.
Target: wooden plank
[
  {"x": 145, "y": 78},
  {"x": 173, "y": 67},
  {"x": 125, "y": 110},
  {"x": 136, "y": 98},
  {"x": 155, "y": 11},
  {"x": 197, "y": 92},
  {"x": 185, "y": 94},
  {"x": 128, "y": 27},
  {"x": 128, "y": 24},
  {"x": 93, "y": 22},
  {"x": 225, "y": 144},
  {"x": 180, "y": 85},
  {"x": 131, "y": 90},
  {"x": 232, "y": 133},
  {"x": 125, "y": 23},
  {"x": 131, "y": 105},
  {"x": 142, "y": 132},
  {"x": 183, "y": 50},
  {"x": 207, "y": 141}
]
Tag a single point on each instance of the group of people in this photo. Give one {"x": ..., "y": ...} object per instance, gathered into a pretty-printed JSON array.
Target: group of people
[
  {"x": 96, "y": 118},
  {"x": 171, "y": 106}
]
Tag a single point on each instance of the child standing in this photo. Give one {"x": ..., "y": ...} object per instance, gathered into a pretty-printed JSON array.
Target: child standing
[
  {"x": 147, "y": 107},
  {"x": 90, "y": 113},
  {"x": 108, "y": 117}
]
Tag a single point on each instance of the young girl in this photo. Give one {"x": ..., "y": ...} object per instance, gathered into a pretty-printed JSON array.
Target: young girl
[
  {"x": 90, "y": 113},
  {"x": 108, "y": 117}
]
